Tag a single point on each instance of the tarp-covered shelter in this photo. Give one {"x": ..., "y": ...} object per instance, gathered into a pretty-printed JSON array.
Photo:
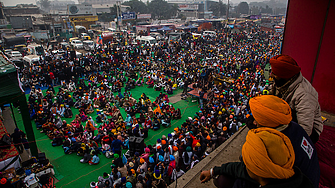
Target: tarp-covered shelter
[
  {"x": 11, "y": 92},
  {"x": 165, "y": 28}
]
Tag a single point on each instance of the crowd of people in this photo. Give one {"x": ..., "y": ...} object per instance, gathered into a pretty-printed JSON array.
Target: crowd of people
[{"x": 101, "y": 83}]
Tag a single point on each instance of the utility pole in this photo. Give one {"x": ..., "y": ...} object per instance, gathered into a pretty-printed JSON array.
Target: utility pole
[
  {"x": 219, "y": 8},
  {"x": 118, "y": 14},
  {"x": 228, "y": 11},
  {"x": 53, "y": 25}
]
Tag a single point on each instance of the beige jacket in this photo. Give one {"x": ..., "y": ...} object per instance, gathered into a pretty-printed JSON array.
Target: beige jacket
[{"x": 303, "y": 100}]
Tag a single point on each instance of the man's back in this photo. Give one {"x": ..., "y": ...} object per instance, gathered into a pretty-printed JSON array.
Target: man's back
[{"x": 306, "y": 158}]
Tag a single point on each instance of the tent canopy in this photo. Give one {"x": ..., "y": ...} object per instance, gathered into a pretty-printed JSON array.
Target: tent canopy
[
  {"x": 8, "y": 78},
  {"x": 11, "y": 92},
  {"x": 192, "y": 27},
  {"x": 165, "y": 28}
]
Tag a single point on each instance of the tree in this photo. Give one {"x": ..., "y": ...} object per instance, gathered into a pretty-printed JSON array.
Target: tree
[
  {"x": 136, "y": 6},
  {"x": 243, "y": 8},
  {"x": 161, "y": 9},
  {"x": 218, "y": 8},
  {"x": 45, "y": 4},
  {"x": 106, "y": 17}
]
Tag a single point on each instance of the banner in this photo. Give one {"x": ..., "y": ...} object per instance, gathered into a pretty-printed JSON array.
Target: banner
[
  {"x": 143, "y": 16},
  {"x": 84, "y": 18},
  {"x": 128, "y": 16},
  {"x": 187, "y": 7},
  {"x": 83, "y": 9}
]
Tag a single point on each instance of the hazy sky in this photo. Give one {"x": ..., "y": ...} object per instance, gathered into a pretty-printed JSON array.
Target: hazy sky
[{"x": 15, "y": 2}]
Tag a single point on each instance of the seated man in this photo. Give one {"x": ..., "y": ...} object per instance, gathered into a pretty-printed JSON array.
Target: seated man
[
  {"x": 166, "y": 121},
  {"x": 268, "y": 159},
  {"x": 271, "y": 111},
  {"x": 95, "y": 159},
  {"x": 156, "y": 124}
]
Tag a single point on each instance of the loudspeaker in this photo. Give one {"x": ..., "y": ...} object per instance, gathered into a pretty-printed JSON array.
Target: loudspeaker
[
  {"x": 41, "y": 157},
  {"x": 139, "y": 145},
  {"x": 72, "y": 55},
  {"x": 132, "y": 140}
]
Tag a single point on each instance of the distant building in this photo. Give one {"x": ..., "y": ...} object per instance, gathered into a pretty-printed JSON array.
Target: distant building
[
  {"x": 21, "y": 9},
  {"x": 101, "y": 8},
  {"x": 21, "y": 22},
  {"x": 94, "y": 2},
  {"x": 60, "y": 5}
]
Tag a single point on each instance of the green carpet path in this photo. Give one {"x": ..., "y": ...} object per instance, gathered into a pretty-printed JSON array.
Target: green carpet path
[{"x": 70, "y": 172}]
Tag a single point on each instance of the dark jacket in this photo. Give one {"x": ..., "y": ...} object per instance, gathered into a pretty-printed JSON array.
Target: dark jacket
[
  {"x": 238, "y": 171},
  {"x": 306, "y": 158}
]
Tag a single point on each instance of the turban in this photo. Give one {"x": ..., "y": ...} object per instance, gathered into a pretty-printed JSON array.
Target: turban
[
  {"x": 131, "y": 164},
  {"x": 188, "y": 149},
  {"x": 268, "y": 153},
  {"x": 157, "y": 174},
  {"x": 132, "y": 171},
  {"x": 147, "y": 150},
  {"x": 129, "y": 185},
  {"x": 224, "y": 128},
  {"x": 270, "y": 111},
  {"x": 159, "y": 147},
  {"x": 116, "y": 155},
  {"x": 175, "y": 148},
  {"x": 28, "y": 172},
  {"x": 141, "y": 160},
  {"x": 284, "y": 66},
  {"x": 172, "y": 158},
  {"x": 161, "y": 158},
  {"x": 163, "y": 142},
  {"x": 151, "y": 160},
  {"x": 3, "y": 181}
]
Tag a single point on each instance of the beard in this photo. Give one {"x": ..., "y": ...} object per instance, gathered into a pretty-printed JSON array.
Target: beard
[{"x": 279, "y": 82}]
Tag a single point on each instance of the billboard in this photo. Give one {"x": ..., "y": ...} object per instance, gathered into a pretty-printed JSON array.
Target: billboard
[
  {"x": 84, "y": 18},
  {"x": 128, "y": 16},
  {"x": 187, "y": 7},
  {"x": 143, "y": 16},
  {"x": 84, "y": 9}
]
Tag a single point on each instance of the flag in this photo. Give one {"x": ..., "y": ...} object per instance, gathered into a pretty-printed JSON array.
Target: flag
[{"x": 124, "y": 159}]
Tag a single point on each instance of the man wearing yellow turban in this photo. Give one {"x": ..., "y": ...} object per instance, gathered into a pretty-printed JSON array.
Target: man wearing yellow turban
[
  {"x": 271, "y": 111},
  {"x": 268, "y": 159}
]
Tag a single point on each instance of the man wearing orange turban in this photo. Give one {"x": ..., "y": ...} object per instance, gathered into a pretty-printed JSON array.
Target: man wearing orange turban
[
  {"x": 271, "y": 111},
  {"x": 297, "y": 91},
  {"x": 268, "y": 159}
]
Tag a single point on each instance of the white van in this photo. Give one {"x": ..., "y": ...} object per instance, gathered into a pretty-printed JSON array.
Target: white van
[
  {"x": 78, "y": 55},
  {"x": 35, "y": 49},
  {"x": 88, "y": 45},
  {"x": 209, "y": 33},
  {"x": 31, "y": 59},
  {"x": 147, "y": 40},
  {"x": 111, "y": 29}
]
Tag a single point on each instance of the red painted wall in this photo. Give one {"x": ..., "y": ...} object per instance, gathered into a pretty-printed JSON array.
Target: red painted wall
[{"x": 304, "y": 24}]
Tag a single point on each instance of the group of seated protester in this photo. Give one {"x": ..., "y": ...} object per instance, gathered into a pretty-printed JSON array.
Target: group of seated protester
[
  {"x": 159, "y": 82},
  {"x": 172, "y": 155},
  {"x": 49, "y": 109}
]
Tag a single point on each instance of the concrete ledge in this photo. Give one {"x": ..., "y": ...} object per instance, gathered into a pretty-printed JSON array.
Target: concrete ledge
[{"x": 229, "y": 151}]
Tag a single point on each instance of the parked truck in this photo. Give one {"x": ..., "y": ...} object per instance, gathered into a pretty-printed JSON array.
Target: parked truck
[{"x": 12, "y": 41}]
